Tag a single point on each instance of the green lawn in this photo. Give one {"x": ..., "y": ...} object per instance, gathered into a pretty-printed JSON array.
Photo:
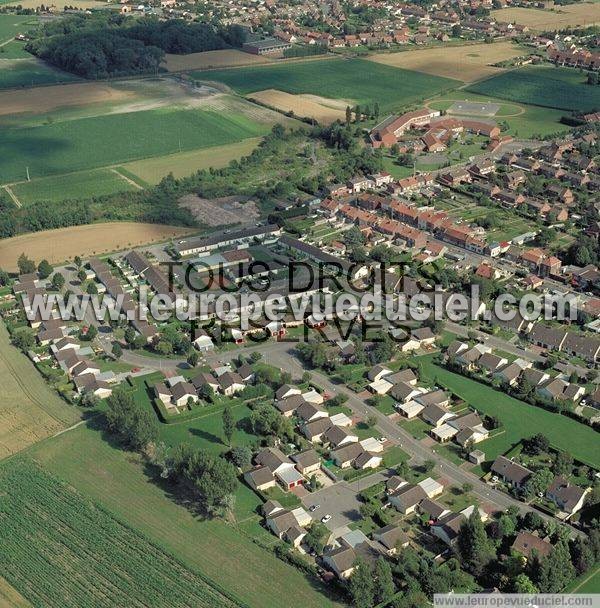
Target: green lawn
[
  {"x": 84, "y": 184},
  {"x": 561, "y": 88},
  {"x": 219, "y": 550},
  {"x": 87, "y": 143},
  {"x": 14, "y": 50},
  {"x": 355, "y": 80},
  {"x": 11, "y": 25},
  {"x": 586, "y": 583},
  {"x": 60, "y": 548},
  {"x": 519, "y": 419}
]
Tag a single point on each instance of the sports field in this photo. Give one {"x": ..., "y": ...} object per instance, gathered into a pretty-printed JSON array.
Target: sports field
[
  {"x": 467, "y": 63},
  {"x": 519, "y": 418},
  {"x": 86, "y": 143},
  {"x": 560, "y": 17},
  {"x": 29, "y": 409},
  {"x": 217, "y": 549},
  {"x": 212, "y": 59},
  {"x": 352, "y": 80},
  {"x": 85, "y": 184},
  {"x": 523, "y": 120},
  {"x": 60, "y": 548},
  {"x": 152, "y": 170},
  {"x": 93, "y": 239},
  {"x": 561, "y": 88}
]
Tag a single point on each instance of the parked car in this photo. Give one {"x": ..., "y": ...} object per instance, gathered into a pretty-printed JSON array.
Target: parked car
[
  {"x": 325, "y": 518},
  {"x": 313, "y": 508}
]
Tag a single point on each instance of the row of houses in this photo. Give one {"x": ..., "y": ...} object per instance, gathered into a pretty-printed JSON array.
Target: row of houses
[
  {"x": 480, "y": 357},
  {"x": 567, "y": 496}
]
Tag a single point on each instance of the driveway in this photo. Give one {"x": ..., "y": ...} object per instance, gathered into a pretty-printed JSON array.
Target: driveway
[{"x": 341, "y": 500}]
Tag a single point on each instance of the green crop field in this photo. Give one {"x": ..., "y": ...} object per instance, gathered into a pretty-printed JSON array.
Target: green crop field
[
  {"x": 14, "y": 50},
  {"x": 519, "y": 419},
  {"x": 561, "y": 88},
  {"x": 30, "y": 72},
  {"x": 59, "y": 548},
  {"x": 87, "y": 143},
  {"x": 354, "y": 80},
  {"x": 85, "y": 184},
  {"x": 117, "y": 480}
]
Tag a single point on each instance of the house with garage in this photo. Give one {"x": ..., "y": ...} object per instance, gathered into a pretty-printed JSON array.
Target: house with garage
[
  {"x": 313, "y": 431},
  {"x": 231, "y": 383},
  {"x": 436, "y": 415},
  {"x": 337, "y": 436},
  {"x": 510, "y": 472},
  {"x": 307, "y": 462},
  {"x": 391, "y": 538},
  {"x": 183, "y": 393},
  {"x": 345, "y": 456},
  {"x": 567, "y": 496},
  {"x": 403, "y": 392},
  {"x": 407, "y": 497},
  {"x": 447, "y": 527},
  {"x": 261, "y": 478},
  {"x": 422, "y": 337},
  {"x": 528, "y": 545},
  {"x": 286, "y": 390},
  {"x": 288, "y": 406},
  {"x": 307, "y": 412}
]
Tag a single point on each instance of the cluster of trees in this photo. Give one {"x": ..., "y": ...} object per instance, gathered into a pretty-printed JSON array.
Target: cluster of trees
[
  {"x": 208, "y": 479},
  {"x": 371, "y": 585},
  {"x": 105, "y": 44},
  {"x": 135, "y": 426}
]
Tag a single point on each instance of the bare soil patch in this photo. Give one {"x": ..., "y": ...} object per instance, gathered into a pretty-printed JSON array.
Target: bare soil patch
[
  {"x": 467, "y": 63},
  {"x": 221, "y": 211},
  {"x": 300, "y": 105},
  {"x": 212, "y": 59},
  {"x": 93, "y": 239}
]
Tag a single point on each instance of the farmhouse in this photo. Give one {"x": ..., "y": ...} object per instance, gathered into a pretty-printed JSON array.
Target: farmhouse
[{"x": 268, "y": 46}]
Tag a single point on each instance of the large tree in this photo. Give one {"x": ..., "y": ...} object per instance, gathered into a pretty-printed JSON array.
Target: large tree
[
  {"x": 473, "y": 545},
  {"x": 361, "y": 585},
  {"x": 384, "y": 582},
  {"x": 228, "y": 424}
]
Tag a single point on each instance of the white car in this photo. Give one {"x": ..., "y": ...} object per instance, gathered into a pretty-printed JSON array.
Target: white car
[{"x": 325, "y": 518}]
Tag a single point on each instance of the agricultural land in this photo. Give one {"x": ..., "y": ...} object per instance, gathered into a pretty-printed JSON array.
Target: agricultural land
[
  {"x": 211, "y": 59},
  {"x": 61, "y": 548},
  {"x": 350, "y": 80},
  {"x": 213, "y": 547},
  {"x": 29, "y": 409},
  {"x": 466, "y": 63},
  {"x": 554, "y": 17},
  {"x": 94, "y": 239}
]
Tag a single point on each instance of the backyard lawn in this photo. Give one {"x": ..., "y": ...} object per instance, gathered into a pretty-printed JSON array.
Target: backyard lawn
[{"x": 519, "y": 419}]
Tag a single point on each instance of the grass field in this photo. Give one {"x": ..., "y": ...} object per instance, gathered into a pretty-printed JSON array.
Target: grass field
[
  {"x": 578, "y": 13},
  {"x": 94, "y": 239},
  {"x": 586, "y": 583},
  {"x": 11, "y": 25},
  {"x": 59, "y": 548},
  {"x": 551, "y": 87},
  {"x": 467, "y": 63},
  {"x": 87, "y": 184},
  {"x": 519, "y": 419},
  {"x": 352, "y": 80},
  {"x": 220, "y": 551},
  {"x": 67, "y": 146},
  {"x": 20, "y": 73},
  {"x": 152, "y": 170},
  {"x": 29, "y": 409},
  {"x": 211, "y": 59}
]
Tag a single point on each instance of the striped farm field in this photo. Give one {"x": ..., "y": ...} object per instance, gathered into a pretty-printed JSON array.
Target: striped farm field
[
  {"x": 352, "y": 80},
  {"x": 18, "y": 73},
  {"x": 221, "y": 551},
  {"x": 61, "y": 549},
  {"x": 67, "y": 145},
  {"x": 87, "y": 143}
]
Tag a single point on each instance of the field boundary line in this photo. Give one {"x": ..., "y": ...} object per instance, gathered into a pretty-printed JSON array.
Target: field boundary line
[
  {"x": 13, "y": 196},
  {"x": 116, "y": 171}
]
